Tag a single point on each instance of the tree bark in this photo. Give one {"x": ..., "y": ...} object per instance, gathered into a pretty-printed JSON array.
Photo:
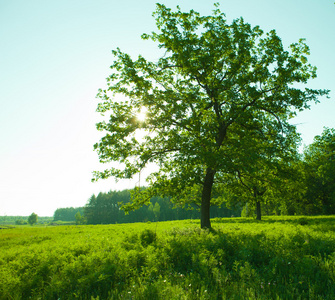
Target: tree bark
[{"x": 206, "y": 199}]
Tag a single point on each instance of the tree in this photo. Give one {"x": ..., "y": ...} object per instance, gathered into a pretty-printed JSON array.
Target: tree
[
  {"x": 255, "y": 183},
  {"x": 215, "y": 83},
  {"x": 32, "y": 219},
  {"x": 105, "y": 209},
  {"x": 90, "y": 211},
  {"x": 319, "y": 167},
  {"x": 79, "y": 219},
  {"x": 157, "y": 211}
]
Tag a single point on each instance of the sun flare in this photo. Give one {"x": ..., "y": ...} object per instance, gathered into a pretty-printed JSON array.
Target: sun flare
[{"x": 142, "y": 114}]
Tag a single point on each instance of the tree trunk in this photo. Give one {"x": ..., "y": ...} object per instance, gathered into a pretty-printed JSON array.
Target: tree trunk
[
  {"x": 206, "y": 199},
  {"x": 258, "y": 211}
]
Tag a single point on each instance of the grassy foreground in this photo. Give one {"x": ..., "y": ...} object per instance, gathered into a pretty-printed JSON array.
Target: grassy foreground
[{"x": 277, "y": 258}]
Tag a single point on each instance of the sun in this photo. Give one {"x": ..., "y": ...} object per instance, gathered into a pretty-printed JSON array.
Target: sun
[{"x": 142, "y": 114}]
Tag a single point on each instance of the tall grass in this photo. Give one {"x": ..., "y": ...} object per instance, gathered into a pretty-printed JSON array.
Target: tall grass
[{"x": 277, "y": 258}]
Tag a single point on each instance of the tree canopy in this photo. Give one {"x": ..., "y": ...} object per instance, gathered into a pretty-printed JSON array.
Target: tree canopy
[{"x": 216, "y": 89}]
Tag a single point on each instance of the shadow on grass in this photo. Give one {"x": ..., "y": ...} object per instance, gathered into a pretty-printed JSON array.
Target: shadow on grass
[
  {"x": 297, "y": 267},
  {"x": 298, "y": 220}
]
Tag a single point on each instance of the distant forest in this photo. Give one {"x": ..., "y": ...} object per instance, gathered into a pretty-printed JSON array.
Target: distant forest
[
  {"x": 22, "y": 220},
  {"x": 105, "y": 208}
]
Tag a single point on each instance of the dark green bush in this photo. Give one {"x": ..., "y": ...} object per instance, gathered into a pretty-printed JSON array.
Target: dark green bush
[{"x": 147, "y": 237}]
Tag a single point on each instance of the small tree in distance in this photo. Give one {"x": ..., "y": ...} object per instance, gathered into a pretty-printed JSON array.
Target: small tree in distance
[
  {"x": 215, "y": 84},
  {"x": 79, "y": 219},
  {"x": 32, "y": 219}
]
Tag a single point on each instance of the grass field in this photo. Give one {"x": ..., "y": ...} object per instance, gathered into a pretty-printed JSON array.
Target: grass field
[{"x": 277, "y": 258}]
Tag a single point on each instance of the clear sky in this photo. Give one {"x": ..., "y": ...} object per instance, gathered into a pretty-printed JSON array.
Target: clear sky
[{"x": 55, "y": 55}]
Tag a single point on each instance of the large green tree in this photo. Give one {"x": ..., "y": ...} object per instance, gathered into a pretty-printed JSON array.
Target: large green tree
[{"x": 214, "y": 83}]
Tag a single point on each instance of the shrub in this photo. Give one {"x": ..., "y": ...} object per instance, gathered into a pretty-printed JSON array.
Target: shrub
[{"x": 147, "y": 237}]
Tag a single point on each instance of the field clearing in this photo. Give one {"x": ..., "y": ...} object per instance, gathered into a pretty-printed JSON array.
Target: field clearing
[{"x": 277, "y": 258}]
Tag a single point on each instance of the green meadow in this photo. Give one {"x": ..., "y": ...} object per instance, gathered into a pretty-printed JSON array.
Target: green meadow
[{"x": 277, "y": 258}]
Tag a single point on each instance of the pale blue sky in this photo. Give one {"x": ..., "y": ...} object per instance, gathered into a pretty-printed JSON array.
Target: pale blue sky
[{"x": 54, "y": 55}]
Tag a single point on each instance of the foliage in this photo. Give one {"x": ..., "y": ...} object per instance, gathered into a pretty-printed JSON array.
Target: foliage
[
  {"x": 147, "y": 237},
  {"x": 80, "y": 220},
  {"x": 278, "y": 258},
  {"x": 319, "y": 168},
  {"x": 32, "y": 219},
  {"x": 20, "y": 222},
  {"x": 216, "y": 87}
]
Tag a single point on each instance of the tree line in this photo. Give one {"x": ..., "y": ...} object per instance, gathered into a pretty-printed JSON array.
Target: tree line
[
  {"x": 68, "y": 213},
  {"x": 106, "y": 208},
  {"x": 24, "y": 220}
]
